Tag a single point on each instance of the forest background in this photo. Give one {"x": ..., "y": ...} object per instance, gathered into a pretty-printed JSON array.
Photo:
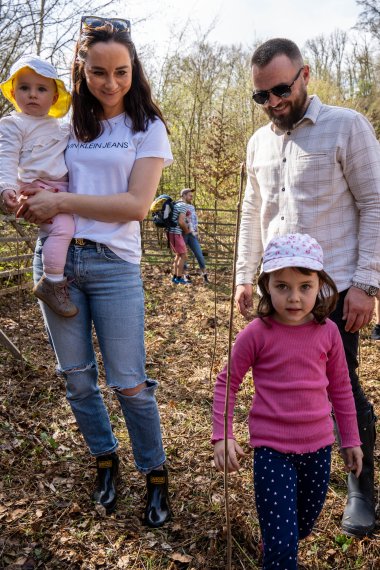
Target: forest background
[{"x": 203, "y": 87}]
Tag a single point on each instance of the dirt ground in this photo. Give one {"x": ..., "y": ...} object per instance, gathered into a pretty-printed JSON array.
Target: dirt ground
[{"x": 46, "y": 516}]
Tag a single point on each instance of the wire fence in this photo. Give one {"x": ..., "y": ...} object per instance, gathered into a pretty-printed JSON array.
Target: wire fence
[{"x": 17, "y": 240}]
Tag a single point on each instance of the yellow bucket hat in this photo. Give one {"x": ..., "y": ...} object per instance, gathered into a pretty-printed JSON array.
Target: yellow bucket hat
[{"x": 46, "y": 69}]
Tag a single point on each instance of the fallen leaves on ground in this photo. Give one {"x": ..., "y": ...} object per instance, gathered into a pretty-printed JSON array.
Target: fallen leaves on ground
[{"x": 46, "y": 516}]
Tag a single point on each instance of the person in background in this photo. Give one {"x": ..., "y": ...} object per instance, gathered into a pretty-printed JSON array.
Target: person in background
[
  {"x": 315, "y": 168},
  {"x": 300, "y": 373},
  {"x": 192, "y": 238},
  {"x": 176, "y": 233},
  {"x": 115, "y": 156},
  {"x": 32, "y": 145}
]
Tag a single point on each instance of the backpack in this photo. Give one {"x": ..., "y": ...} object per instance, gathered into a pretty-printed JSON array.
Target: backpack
[{"x": 162, "y": 212}]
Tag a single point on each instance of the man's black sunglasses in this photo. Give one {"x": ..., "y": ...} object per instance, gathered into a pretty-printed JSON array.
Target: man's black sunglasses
[
  {"x": 282, "y": 90},
  {"x": 119, "y": 24}
]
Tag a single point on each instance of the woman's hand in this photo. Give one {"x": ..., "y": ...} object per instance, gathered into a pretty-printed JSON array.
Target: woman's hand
[
  {"x": 37, "y": 204},
  {"x": 234, "y": 451}
]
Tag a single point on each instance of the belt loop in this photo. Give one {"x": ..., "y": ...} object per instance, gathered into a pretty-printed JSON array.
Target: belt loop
[{"x": 98, "y": 247}]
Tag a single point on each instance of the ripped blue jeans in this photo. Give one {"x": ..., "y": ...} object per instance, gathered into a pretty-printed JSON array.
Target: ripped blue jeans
[{"x": 108, "y": 292}]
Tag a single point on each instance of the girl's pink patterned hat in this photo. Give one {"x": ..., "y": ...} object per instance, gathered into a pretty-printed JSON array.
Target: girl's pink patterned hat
[{"x": 293, "y": 250}]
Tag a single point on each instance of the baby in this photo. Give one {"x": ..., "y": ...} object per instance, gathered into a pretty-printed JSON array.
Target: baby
[{"x": 32, "y": 145}]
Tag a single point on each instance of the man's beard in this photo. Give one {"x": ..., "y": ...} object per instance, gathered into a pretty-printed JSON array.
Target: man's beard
[{"x": 297, "y": 111}]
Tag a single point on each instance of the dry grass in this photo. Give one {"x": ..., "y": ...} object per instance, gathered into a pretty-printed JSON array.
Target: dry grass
[{"x": 46, "y": 516}]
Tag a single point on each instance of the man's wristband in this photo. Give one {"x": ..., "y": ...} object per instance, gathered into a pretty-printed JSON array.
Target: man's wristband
[{"x": 371, "y": 290}]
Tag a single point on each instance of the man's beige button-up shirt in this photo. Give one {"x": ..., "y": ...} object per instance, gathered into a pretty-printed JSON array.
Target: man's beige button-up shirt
[{"x": 321, "y": 178}]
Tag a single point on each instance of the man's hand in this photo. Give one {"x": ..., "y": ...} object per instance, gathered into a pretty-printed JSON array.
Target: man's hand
[
  {"x": 234, "y": 451},
  {"x": 243, "y": 299},
  {"x": 353, "y": 459},
  {"x": 357, "y": 309}
]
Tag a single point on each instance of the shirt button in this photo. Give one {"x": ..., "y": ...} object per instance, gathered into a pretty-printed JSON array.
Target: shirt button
[
  {"x": 284, "y": 160},
  {"x": 282, "y": 189},
  {"x": 282, "y": 217},
  {"x": 289, "y": 133}
]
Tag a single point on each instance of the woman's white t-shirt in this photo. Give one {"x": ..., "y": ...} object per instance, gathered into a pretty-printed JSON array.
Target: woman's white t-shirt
[{"x": 103, "y": 166}]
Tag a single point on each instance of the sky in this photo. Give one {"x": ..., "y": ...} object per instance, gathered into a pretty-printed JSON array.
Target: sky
[{"x": 241, "y": 21}]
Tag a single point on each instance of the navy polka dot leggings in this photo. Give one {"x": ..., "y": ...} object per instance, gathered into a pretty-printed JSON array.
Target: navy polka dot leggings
[{"x": 290, "y": 492}]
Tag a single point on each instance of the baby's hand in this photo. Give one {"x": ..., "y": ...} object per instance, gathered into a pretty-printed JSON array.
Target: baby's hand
[
  {"x": 235, "y": 452},
  {"x": 9, "y": 200},
  {"x": 353, "y": 459}
]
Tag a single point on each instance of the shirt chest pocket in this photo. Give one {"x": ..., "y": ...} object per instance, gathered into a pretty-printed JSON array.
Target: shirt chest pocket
[{"x": 318, "y": 170}]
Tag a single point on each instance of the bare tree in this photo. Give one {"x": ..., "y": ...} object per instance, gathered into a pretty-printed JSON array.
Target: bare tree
[
  {"x": 369, "y": 17},
  {"x": 318, "y": 53},
  {"x": 338, "y": 43},
  {"x": 361, "y": 71},
  {"x": 205, "y": 93},
  {"x": 46, "y": 27}
]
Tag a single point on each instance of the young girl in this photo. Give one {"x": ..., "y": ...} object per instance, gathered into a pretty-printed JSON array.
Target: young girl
[
  {"x": 32, "y": 145},
  {"x": 298, "y": 365}
]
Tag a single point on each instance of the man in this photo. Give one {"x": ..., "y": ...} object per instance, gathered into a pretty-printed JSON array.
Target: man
[
  {"x": 177, "y": 243},
  {"x": 316, "y": 169},
  {"x": 191, "y": 238}
]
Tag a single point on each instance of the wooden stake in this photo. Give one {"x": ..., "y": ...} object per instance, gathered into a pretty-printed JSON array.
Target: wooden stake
[{"x": 227, "y": 398}]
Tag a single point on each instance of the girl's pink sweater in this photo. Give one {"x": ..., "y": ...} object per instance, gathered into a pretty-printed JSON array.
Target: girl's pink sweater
[{"x": 298, "y": 372}]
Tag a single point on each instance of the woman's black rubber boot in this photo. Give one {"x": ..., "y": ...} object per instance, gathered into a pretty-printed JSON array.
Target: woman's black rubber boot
[
  {"x": 157, "y": 510},
  {"x": 105, "y": 495}
]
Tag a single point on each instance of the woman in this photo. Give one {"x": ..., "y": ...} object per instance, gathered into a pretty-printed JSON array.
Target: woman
[{"x": 115, "y": 158}]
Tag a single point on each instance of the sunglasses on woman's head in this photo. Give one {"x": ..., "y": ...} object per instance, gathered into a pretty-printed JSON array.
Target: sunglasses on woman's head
[
  {"x": 119, "y": 24},
  {"x": 282, "y": 90}
]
